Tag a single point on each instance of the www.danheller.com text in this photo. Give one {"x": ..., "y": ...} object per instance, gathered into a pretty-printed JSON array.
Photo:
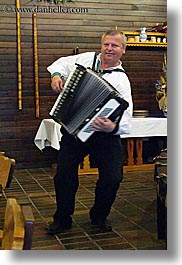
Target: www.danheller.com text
[{"x": 47, "y": 9}]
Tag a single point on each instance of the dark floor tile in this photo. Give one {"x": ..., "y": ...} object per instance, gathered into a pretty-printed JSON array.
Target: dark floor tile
[
  {"x": 104, "y": 236},
  {"x": 82, "y": 245},
  {"x": 120, "y": 246},
  {"x": 110, "y": 241},
  {"x": 74, "y": 240}
]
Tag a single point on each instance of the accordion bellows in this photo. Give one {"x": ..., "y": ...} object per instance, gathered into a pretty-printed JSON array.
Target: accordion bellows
[{"x": 86, "y": 96}]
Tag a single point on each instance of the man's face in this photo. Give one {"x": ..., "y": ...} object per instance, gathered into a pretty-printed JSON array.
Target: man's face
[{"x": 112, "y": 49}]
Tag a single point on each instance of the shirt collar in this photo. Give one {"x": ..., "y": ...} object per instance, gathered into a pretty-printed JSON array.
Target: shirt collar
[{"x": 98, "y": 63}]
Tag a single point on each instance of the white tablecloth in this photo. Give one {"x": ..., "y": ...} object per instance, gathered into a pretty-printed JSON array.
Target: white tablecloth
[
  {"x": 147, "y": 127},
  {"x": 48, "y": 133}
]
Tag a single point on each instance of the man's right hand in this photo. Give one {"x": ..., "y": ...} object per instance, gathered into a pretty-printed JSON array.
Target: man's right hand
[{"x": 57, "y": 84}]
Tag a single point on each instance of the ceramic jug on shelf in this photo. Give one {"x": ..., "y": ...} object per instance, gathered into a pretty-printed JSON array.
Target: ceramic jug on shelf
[{"x": 143, "y": 35}]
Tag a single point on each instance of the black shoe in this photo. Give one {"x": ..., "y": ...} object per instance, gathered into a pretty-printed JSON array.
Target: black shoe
[
  {"x": 57, "y": 228},
  {"x": 102, "y": 226}
]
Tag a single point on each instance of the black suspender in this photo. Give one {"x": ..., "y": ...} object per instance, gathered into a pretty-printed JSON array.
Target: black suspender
[
  {"x": 94, "y": 61},
  {"x": 107, "y": 71}
]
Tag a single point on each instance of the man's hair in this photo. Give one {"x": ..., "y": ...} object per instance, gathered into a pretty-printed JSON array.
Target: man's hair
[{"x": 113, "y": 33}]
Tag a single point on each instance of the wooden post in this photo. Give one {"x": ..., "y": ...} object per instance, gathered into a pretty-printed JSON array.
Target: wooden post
[
  {"x": 36, "y": 70},
  {"x": 19, "y": 56}
]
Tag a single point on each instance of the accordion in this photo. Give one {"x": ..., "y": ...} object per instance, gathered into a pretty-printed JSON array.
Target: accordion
[{"x": 86, "y": 96}]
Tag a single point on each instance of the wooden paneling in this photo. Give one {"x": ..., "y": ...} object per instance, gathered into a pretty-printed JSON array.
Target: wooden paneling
[{"x": 58, "y": 35}]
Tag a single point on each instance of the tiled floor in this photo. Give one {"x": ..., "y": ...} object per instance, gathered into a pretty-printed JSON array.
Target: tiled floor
[{"x": 133, "y": 215}]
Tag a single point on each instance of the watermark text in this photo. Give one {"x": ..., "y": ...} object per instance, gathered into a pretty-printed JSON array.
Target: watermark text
[{"x": 48, "y": 9}]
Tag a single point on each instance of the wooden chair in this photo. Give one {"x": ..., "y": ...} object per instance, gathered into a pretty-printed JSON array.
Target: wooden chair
[
  {"x": 18, "y": 227},
  {"x": 7, "y": 166},
  {"x": 1, "y": 190},
  {"x": 160, "y": 177}
]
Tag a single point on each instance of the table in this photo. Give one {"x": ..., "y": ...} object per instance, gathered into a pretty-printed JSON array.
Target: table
[
  {"x": 48, "y": 134},
  {"x": 143, "y": 128}
]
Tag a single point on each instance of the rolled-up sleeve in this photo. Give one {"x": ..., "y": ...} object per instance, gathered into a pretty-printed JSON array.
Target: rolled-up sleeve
[{"x": 65, "y": 65}]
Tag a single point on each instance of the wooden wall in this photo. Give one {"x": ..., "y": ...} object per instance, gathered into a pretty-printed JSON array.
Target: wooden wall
[{"x": 58, "y": 35}]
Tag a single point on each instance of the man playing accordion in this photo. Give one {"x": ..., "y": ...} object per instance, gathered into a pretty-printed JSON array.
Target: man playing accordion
[{"x": 105, "y": 144}]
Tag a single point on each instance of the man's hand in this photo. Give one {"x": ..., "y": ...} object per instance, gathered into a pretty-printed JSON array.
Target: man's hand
[
  {"x": 103, "y": 125},
  {"x": 57, "y": 84}
]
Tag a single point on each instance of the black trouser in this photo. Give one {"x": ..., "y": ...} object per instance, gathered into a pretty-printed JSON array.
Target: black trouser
[{"x": 107, "y": 152}]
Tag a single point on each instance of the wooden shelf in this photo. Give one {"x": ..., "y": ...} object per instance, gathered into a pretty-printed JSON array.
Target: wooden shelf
[
  {"x": 148, "y": 43},
  {"x": 149, "y": 33}
]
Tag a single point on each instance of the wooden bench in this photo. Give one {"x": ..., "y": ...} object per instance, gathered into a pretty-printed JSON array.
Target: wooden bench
[
  {"x": 160, "y": 177},
  {"x": 18, "y": 227},
  {"x": 7, "y": 166},
  {"x": 1, "y": 190}
]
